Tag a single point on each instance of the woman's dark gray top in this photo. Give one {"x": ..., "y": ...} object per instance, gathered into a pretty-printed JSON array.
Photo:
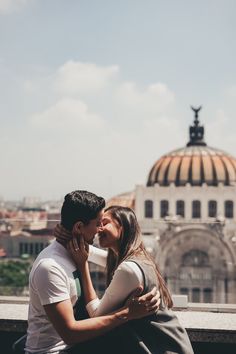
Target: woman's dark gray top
[{"x": 160, "y": 333}]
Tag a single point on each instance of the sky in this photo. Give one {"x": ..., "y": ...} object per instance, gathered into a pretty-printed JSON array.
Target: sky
[{"x": 92, "y": 93}]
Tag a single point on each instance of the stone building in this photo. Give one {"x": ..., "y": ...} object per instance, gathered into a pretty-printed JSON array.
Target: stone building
[
  {"x": 24, "y": 243},
  {"x": 187, "y": 216}
]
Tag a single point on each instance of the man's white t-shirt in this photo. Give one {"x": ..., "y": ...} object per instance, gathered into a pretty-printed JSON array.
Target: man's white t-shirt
[{"x": 53, "y": 278}]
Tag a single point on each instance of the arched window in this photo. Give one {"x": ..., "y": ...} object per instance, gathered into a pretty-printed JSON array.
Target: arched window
[
  {"x": 164, "y": 208},
  {"x": 195, "y": 258},
  {"x": 212, "y": 208},
  {"x": 229, "y": 209},
  {"x": 148, "y": 206},
  {"x": 180, "y": 208},
  {"x": 196, "y": 209}
]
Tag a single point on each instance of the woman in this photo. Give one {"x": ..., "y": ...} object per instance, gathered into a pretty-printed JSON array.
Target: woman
[{"x": 129, "y": 266}]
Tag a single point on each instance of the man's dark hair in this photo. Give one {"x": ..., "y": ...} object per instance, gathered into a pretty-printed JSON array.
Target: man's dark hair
[{"x": 80, "y": 206}]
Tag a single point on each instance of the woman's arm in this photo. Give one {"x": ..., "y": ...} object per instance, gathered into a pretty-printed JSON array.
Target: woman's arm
[
  {"x": 126, "y": 279},
  {"x": 97, "y": 256}
]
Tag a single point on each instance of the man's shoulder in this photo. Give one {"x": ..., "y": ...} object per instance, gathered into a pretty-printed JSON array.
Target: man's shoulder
[
  {"x": 43, "y": 266},
  {"x": 53, "y": 258},
  {"x": 52, "y": 253},
  {"x": 46, "y": 259}
]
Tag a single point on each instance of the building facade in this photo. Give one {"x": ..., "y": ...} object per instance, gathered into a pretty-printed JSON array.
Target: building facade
[{"x": 187, "y": 216}]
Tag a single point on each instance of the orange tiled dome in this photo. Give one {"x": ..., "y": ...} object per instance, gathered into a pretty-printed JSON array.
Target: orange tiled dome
[{"x": 195, "y": 165}]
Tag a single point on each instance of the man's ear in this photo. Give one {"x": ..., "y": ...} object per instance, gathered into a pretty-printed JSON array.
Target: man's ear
[{"x": 77, "y": 228}]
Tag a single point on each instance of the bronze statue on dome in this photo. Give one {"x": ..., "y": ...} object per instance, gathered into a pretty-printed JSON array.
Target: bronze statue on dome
[{"x": 196, "y": 110}]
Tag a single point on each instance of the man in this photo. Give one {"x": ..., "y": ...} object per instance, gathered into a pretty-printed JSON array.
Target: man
[{"x": 55, "y": 288}]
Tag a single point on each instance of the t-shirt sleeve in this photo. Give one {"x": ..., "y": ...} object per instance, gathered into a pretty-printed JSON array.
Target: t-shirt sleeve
[
  {"x": 126, "y": 279},
  {"x": 51, "y": 283}
]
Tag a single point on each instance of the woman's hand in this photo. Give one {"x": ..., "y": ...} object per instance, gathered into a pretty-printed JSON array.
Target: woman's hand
[
  {"x": 79, "y": 251},
  {"x": 145, "y": 305}
]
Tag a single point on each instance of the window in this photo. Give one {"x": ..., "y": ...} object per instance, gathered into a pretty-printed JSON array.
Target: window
[
  {"x": 25, "y": 248},
  {"x": 212, "y": 208},
  {"x": 207, "y": 295},
  {"x": 184, "y": 291},
  {"x": 36, "y": 249},
  {"x": 148, "y": 206},
  {"x": 229, "y": 209},
  {"x": 196, "y": 209},
  {"x": 21, "y": 248},
  {"x": 31, "y": 252},
  {"x": 196, "y": 295},
  {"x": 164, "y": 208},
  {"x": 180, "y": 208},
  {"x": 99, "y": 281}
]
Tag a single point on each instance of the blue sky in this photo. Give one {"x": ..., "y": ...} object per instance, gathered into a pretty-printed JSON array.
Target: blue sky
[{"x": 92, "y": 93}]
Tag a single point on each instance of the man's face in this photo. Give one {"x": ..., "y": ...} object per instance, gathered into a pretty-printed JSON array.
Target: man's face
[{"x": 92, "y": 228}]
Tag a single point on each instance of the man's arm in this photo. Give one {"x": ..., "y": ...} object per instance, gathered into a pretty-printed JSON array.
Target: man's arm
[{"x": 71, "y": 331}]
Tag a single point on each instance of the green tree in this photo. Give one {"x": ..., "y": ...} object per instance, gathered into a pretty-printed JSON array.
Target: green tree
[{"x": 14, "y": 273}]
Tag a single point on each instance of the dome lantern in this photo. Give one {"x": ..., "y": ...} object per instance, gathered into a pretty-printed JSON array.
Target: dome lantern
[{"x": 196, "y": 132}]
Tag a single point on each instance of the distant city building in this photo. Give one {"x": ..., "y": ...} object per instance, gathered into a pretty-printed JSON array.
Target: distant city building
[
  {"x": 187, "y": 216},
  {"x": 24, "y": 232},
  {"x": 53, "y": 218},
  {"x": 24, "y": 243},
  {"x": 31, "y": 202}
]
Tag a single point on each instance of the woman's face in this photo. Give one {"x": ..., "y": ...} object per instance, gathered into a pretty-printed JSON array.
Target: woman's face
[{"x": 110, "y": 232}]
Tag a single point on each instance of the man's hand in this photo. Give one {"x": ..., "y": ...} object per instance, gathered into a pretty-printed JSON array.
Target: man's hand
[
  {"x": 79, "y": 251},
  {"x": 145, "y": 305}
]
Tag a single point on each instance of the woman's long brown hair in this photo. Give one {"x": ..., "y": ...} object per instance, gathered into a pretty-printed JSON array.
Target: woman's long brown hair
[{"x": 131, "y": 245}]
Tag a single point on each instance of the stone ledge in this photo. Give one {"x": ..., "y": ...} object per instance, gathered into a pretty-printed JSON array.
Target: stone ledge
[
  {"x": 202, "y": 327},
  {"x": 211, "y": 336},
  {"x": 13, "y": 326},
  {"x": 14, "y": 299}
]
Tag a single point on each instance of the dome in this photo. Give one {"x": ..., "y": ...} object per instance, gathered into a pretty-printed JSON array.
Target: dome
[
  {"x": 195, "y": 164},
  {"x": 124, "y": 199}
]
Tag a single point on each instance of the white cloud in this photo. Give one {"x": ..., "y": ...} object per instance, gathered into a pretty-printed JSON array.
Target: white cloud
[
  {"x": 106, "y": 94},
  {"x": 77, "y": 77},
  {"x": 148, "y": 102},
  {"x": 221, "y": 127},
  {"x": 7, "y": 6},
  {"x": 68, "y": 115},
  {"x": 231, "y": 92},
  {"x": 28, "y": 86},
  {"x": 155, "y": 94},
  {"x": 95, "y": 131}
]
